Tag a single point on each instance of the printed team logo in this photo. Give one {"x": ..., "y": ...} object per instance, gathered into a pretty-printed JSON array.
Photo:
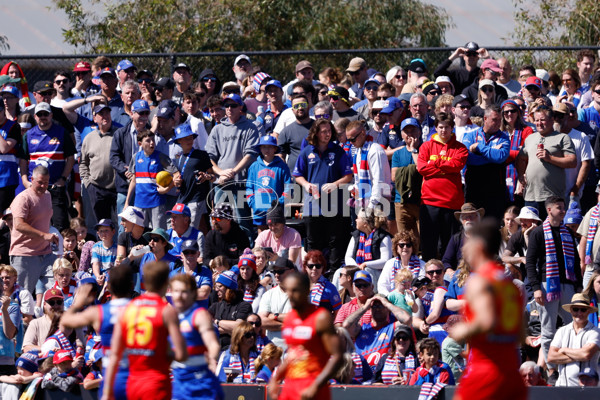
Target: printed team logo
[
  {"x": 383, "y": 337},
  {"x": 163, "y": 110},
  {"x": 331, "y": 159},
  {"x": 268, "y": 119},
  {"x": 34, "y": 141},
  {"x": 185, "y": 326},
  {"x": 265, "y": 181},
  {"x": 152, "y": 162},
  {"x": 140, "y": 161},
  {"x": 54, "y": 140},
  {"x": 311, "y": 155}
]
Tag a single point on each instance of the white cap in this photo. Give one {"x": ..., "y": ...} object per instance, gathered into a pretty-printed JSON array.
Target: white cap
[
  {"x": 242, "y": 57},
  {"x": 134, "y": 215},
  {"x": 379, "y": 104},
  {"x": 542, "y": 74},
  {"x": 43, "y": 106},
  {"x": 528, "y": 213}
]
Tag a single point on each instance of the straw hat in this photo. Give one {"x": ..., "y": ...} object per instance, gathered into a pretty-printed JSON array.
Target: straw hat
[{"x": 579, "y": 300}]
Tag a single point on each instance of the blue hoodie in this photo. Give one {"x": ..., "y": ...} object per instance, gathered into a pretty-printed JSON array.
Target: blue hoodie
[{"x": 266, "y": 183}]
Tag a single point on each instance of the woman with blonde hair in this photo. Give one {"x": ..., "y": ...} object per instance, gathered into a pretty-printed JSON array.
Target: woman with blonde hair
[
  {"x": 266, "y": 362},
  {"x": 355, "y": 367},
  {"x": 239, "y": 358},
  {"x": 454, "y": 296}
]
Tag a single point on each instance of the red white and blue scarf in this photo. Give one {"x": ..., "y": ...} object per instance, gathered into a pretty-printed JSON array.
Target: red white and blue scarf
[
  {"x": 591, "y": 233},
  {"x": 364, "y": 251},
  {"x": 429, "y": 390},
  {"x": 248, "y": 374},
  {"x": 358, "y": 371},
  {"x": 360, "y": 167},
  {"x": 248, "y": 295},
  {"x": 511, "y": 170},
  {"x": 414, "y": 265},
  {"x": 552, "y": 266},
  {"x": 316, "y": 293},
  {"x": 395, "y": 365}
]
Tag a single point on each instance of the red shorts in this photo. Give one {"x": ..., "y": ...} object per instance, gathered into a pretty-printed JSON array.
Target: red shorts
[
  {"x": 292, "y": 388},
  {"x": 149, "y": 386},
  {"x": 483, "y": 383}
]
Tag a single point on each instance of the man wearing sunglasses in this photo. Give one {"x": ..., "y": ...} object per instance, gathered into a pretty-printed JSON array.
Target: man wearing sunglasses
[
  {"x": 340, "y": 100},
  {"x": 274, "y": 304},
  {"x": 571, "y": 353},
  {"x": 461, "y": 109},
  {"x": 371, "y": 88},
  {"x": 38, "y": 328},
  {"x": 62, "y": 85},
  {"x": 463, "y": 76},
  {"x": 489, "y": 70},
  {"x": 358, "y": 70},
  {"x": 291, "y": 137},
  {"x": 226, "y": 237}
]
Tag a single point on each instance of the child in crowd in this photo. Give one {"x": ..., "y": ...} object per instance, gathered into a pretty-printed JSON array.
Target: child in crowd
[
  {"x": 104, "y": 252},
  {"x": 402, "y": 296},
  {"x": 27, "y": 370},
  {"x": 62, "y": 376},
  {"x": 218, "y": 265},
  {"x": 85, "y": 242},
  {"x": 94, "y": 377},
  {"x": 269, "y": 181},
  {"x": 62, "y": 270},
  {"x": 266, "y": 362},
  {"x": 70, "y": 247},
  {"x": 431, "y": 370},
  {"x": 145, "y": 165}
]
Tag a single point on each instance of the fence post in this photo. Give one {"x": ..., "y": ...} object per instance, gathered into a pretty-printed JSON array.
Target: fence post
[{"x": 173, "y": 63}]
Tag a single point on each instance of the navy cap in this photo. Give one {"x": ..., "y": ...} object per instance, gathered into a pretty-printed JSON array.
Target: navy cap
[
  {"x": 410, "y": 122},
  {"x": 392, "y": 105},
  {"x": 99, "y": 108},
  {"x": 11, "y": 90},
  {"x": 105, "y": 222},
  {"x": 140, "y": 105},
  {"x": 189, "y": 245},
  {"x": 459, "y": 99},
  {"x": 124, "y": 65},
  {"x": 164, "y": 83},
  {"x": 108, "y": 71},
  {"x": 166, "y": 109},
  {"x": 183, "y": 131}
]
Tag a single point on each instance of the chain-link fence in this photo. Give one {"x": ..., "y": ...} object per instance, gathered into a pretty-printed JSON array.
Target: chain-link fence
[{"x": 280, "y": 64}]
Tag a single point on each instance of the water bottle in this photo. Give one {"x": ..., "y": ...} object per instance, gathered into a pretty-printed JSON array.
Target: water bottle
[{"x": 141, "y": 251}]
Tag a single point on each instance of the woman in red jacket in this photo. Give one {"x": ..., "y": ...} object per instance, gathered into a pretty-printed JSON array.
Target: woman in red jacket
[{"x": 440, "y": 161}]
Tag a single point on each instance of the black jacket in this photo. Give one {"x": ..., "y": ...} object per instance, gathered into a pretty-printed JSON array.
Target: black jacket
[
  {"x": 378, "y": 236},
  {"x": 231, "y": 245}
]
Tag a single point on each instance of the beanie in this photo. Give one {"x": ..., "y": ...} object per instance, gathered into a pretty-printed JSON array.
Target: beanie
[
  {"x": 28, "y": 361},
  {"x": 228, "y": 279},
  {"x": 276, "y": 215},
  {"x": 247, "y": 259}
]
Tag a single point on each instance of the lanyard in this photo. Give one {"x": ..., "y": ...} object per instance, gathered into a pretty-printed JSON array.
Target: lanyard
[{"x": 181, "y": 169}]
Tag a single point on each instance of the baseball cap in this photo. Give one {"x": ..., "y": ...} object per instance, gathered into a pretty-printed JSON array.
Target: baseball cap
[
  {"x": 363, "y": 275},
  {"x": 11, "y": 90},
  {"x": 542, "y": 74},
  {"x": 393, "y": 103},
  {"x": 282, "y": 263},
  {"x": 486, "y": 82},
  {"x": 140, "y": 105},
  {"x": 533, "y": 81},
  {"x": 410, "y": 122},
  {"x": 180, "y": 209},
  {"x": 561, "y": 108},
  {"x": 105, "y": 222},
  {"x": 43, "y": 106},
  {"x": 235, "y": 97},
  {"x": 100, "y": 107},
  {"x": 420, "y": 282},
  {"x": 189, "y": 245},
  {"x": 379, "y": 104},
  {"x": 133, "y": 215},
  {"x": 166, "y": 109},
  {"x": 53, "y": 294},
  {"x": 144, "y": 72},
  {"x": 240, "y": 58},
  {"x": 108, "y": 71},
  {"x": 42, "y": 86},
  {"x": 590, "y": 372},
  {"x": 125, "y": 65},
  {"x": 371, "y": 80},
  {"x": 82, "y": 66},
  {"x": 429, "y": 86},
  {"x": 164, "y": 83},
  {"x": 355, "y": 64},
  {"x": 222, "y": 210},
  {"x": 267, "y": 140},
  {"x": 184, "y": 66},
  {"x": 491, "y": 64},
  {"x": 62, "y": 356},
  {"x": 303, "y": 64},
  {"x": 274, "y": 82},
  {"x": 459, "y": 99},
  {"x": 6, "y": 213},
  {"x": 417, "y": 65},
  {"x": 403, "y": 329},
  {"x": 472, "y": 47},
  {"x": 340, "y": 91},
  {"x": 183, "y": 131}
]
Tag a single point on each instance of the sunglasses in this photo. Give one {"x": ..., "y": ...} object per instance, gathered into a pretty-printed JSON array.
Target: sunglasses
[
  {"x": 61, "y": 81},
  {"x": 144, "y": 80},
  {"x": 402, "y": 337},
  {"x": 532, "y": 88},
  {"x": 325, "y": 116},
  {"x": 597, "y": 91},
  {"x": 313, "y": 266},
  {"x": 403, "y": 245},
  {"x": 200, "y": 94},
  {"x": 375, "y": 112},
  {"x": 217, "y": 219},
  {"x": 53, "y": 303},
  {"x": 323, "y": 92},
  {"x": 371, "y": 87},
  {"x": 464, "y": 107},
  {"x": 279, "y": 271},
  {"x": 579, "y": 309},
  {"x": 155, "y": 238},
  {"x": 158, "y": 89},
  {"x": 231, "y": 105},
  {"x": 433, "y": 93},
  {"x": 299, "y": 106},
  {"x": 401, "y": 76},
  {"x": 487, "y": 89},
  {"x": 510, "y": 111},
  {"x": 352, "y": 140},
  {"x": 361, "y": 285},
  {"x": 334, "y": 97},
  {"x": 435, "y": 272},
  {"x": 82, "y": 73},
  {"x": 47, "y": 93},
  {"x": 523, "y": 107},
  {"x": 248, "y": 335},
  {"x": 355, "y": 72},
  {"x": 189, "y": 252},
  {"x": 298, "y": 93},
  {"x": 43, "y": 114},
  {"x": 382, "y": 98},
  {"x": 255, "y": 323},
  {"x": 206, "y": 79},
  {"x": 558, "y": 115}
]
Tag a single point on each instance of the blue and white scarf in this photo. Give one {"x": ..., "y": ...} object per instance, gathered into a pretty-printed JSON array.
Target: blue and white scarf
[
  {"x": 316, "y": 293},
  {"x": 363, "y": 253},
  {"x": 414, "y": 265},
  {"x": 552, "y": 266}
]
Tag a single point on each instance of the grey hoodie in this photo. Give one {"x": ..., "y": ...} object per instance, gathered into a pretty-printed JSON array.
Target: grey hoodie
[{"x": 228, "y": 143}]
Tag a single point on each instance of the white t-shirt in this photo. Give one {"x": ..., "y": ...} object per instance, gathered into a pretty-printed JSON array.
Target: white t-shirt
[
  {"x": 583, "y": 152},
  {"x": 565, "y": 337},
  {"x": 275, "y": 301}
]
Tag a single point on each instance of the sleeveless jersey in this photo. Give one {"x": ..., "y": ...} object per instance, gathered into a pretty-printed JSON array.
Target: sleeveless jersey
[
  {"x": 305, "y": 347},
  {"x": 493, "y": 364},
  {"x": 109, "y": 315},
  {"x": 372, "y": 344},
  {"x": 47, "y": 148},
  {"x": 8, "y": 162},
  {"x": 145, "y": 336},
  {"x": 146, "y": 169},
  {"x": 193, "y": 339}
]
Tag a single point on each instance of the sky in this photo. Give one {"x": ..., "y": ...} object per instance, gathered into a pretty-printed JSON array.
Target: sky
[{"x": 39, "y": 29}]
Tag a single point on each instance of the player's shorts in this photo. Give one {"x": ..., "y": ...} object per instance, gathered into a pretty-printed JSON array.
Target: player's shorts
[
  {"x": 197, "y": 383},
  {"x": 120, "y": 385},
  {"x": 485, "y": 383},
  {"x": 149, "y": 385},
  {"x": 293, "y": 387}
]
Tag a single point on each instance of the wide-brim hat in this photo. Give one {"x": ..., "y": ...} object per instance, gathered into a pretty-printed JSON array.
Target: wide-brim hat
[
  {"x": 469, "y": 208},
  {"x": 528, "y": 212},
  {"x": 160, "y": 232},
  {"x": 579, "y": 300}
]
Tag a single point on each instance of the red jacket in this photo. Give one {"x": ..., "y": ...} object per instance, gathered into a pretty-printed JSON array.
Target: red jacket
[{"x": 440, "y": 165}]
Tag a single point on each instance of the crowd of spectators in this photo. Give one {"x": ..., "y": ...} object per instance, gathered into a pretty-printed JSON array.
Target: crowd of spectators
[{"x": 367, "y": 181}]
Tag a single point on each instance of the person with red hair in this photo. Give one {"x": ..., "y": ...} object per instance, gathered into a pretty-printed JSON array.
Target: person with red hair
[
  {"x": 322, "y": 292},
  {"x": 14, "y": 71}
]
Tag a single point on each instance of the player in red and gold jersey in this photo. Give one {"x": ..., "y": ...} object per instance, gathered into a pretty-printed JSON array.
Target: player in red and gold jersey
[
  {"x": 494, "y": 322},
  {"x": 314, "y": 349},
  {"x": 142, "y": 336}
]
